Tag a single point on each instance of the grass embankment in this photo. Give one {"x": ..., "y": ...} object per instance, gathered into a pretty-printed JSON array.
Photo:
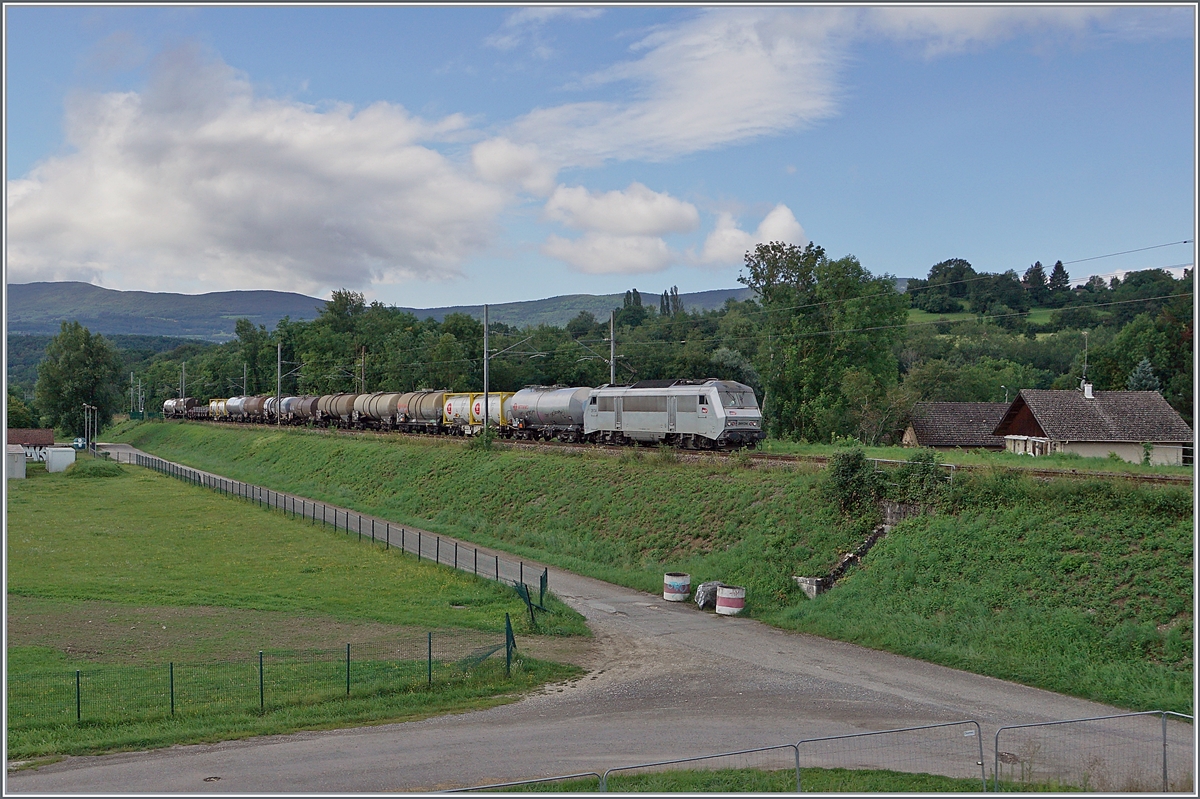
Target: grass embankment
[
  {"x": 1067, "y": 462},
  {"x": 119, "y": 575},
  {"x": 1081, "y": 586}
]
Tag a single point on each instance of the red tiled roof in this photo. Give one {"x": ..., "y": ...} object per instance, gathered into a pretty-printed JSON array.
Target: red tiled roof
[
  {"x": 958, "y": 424},
  {"x": 31, "y": 436}
]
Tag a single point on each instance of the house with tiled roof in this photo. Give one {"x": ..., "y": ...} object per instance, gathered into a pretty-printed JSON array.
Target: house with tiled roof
[
  {"x": 955, "y": 425},
  {"x": 1095, "y": 423}
]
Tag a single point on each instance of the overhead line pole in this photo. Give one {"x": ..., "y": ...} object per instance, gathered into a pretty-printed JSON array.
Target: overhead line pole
[
  {"x": 612, "y": 347},
  {"x": 278, "y": 379},
  {"x": 485, "y": 369}
]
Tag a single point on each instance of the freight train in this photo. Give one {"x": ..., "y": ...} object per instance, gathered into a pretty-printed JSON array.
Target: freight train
[{"x": 690, "y": 414}]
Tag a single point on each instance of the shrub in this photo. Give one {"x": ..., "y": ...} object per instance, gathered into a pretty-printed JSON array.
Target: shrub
[
  {"x": 94, "y": 468},
  {"x": 851, "y": 482}
]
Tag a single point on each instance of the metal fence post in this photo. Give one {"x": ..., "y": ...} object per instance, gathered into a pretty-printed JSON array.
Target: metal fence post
[
  {"x": 429, "y": 659},
  {"x": 418, "y": 544},
  {"x": 522, "y": 572},
  {"x": 1164, "y": 729},
  {"x": 262, "y": 694},
  {"x": 477, "y": 561},
  {"x": 497, "y": 568},
  {"x": 172, "y": 678},
  {"x": 437, "y": 551},
  {"x": 347, "y": 669},
  {"x": 360, "y": 527},
  {"x": 78, "y": 697},
  {"x": 387, "y": 536},
  {"x": 456, "y": 554}
]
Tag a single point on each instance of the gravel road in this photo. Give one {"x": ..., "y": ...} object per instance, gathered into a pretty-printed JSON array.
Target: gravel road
[{"x": 664, "y": 680}]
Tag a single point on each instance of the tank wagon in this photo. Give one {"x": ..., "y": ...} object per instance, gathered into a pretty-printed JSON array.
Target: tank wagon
[
  {"x": 691, "y": 414},
  {"x": 548, "y": 412},
  {"x": 178, "y": 407},
  {"x": 420, "y": 411}
]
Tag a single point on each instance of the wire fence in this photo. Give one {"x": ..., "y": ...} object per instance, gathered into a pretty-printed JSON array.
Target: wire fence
[
  {"x": 380, "y": 532},
  {"x": 1126, "y": 752},
  {"x": 256, "y": 682}
]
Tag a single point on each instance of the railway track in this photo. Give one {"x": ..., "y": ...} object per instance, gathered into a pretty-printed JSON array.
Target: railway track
[{"x": 762, "y": 458}]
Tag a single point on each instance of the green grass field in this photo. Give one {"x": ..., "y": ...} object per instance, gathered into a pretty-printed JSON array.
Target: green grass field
[
  {"x": 1079, "y": 586},
  {"x": 119, "y": 576}
]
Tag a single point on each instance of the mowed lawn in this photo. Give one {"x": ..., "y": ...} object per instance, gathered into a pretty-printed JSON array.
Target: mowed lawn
[{"x": 137, "y": 570}]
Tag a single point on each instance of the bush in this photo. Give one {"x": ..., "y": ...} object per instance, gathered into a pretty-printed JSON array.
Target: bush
[
  {"x": 921, "y": 481},
  {"x": 851, "y": 482},
  {"x": 94, "y": 468}
]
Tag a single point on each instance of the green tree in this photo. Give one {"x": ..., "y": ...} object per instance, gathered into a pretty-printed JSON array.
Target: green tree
[
  {"x": 1059, "y": 286},
  {"x": 822, "y": 317},
  {"x": 1034, "y": 282},
  {"x": 79, "y": 368},
  {"x": 1142, "y": 377},
  {"x": 19, "y": 414}
]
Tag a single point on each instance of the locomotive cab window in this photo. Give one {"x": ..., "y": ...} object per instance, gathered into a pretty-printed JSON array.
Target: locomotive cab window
[
  {"x": 738, "y": 399},
  {"x": 592, "y": 401},
  {"x": 703, "y": 400}
]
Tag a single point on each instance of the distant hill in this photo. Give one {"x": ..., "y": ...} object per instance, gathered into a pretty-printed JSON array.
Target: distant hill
[{"x": 39, "y": 308}]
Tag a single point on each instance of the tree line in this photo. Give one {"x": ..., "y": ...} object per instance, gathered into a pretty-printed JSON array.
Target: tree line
[{"x": 830, "y": 349}]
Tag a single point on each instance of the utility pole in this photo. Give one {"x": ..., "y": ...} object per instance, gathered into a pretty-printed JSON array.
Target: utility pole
[
  {"x": 612, "y": 347},
  {"x": 131, "y": 395},
  {"x": 183, "y": 381},
  {"x": 485, "y": 368},
  {"x": 245, "y": 391},
  {"x": 278, "y": 379}
]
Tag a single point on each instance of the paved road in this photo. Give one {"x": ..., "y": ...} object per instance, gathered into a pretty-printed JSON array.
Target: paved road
[{"x": 665, "y": 680}]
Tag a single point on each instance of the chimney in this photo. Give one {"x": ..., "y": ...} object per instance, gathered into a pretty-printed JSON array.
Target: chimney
[{"x": 1087, "y": 391}]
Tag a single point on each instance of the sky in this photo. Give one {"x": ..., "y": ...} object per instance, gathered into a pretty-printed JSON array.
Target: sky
[{"x": 433, "y": 156}]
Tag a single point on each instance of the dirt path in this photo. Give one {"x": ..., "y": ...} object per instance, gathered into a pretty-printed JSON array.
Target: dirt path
[{"x": 664, "y": 680}]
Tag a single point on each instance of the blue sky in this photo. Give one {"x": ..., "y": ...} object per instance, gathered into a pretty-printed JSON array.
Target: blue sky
[{"x": 437, "y": 156}]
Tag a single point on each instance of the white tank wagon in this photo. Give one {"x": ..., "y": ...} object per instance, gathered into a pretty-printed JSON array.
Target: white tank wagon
[
  {"x": 235, "y": 407},
  {"x": 548, "y": 412},
  {"x": 216, "y": 409},
  {"x": 420, "y": 411},
  {"x": 692, "y": 414}
]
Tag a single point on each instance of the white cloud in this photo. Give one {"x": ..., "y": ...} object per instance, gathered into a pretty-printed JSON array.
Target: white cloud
[
  {"x": 953, "y": 29},
  {"x": 635, "y": 211},
  {"x": 604, "y": 253},
  {"x": 526, "y": 24},
  {"x": 726, "y": 76},
  {"x": 731, "y": 75},
  {"x": 727, "y": 244},
  {"x": 501, "y": 161},
  {"x": 198, "y": 180}
]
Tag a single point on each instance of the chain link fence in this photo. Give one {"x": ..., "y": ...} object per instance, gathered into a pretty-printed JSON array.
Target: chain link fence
[{"x": 257, "y": 682}]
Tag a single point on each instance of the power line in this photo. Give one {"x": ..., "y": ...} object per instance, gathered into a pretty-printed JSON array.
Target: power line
[{"x": 1127, "y": 252}]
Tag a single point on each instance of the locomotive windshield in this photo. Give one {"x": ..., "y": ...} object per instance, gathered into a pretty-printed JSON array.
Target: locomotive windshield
[{"x": 738, "y": 399}]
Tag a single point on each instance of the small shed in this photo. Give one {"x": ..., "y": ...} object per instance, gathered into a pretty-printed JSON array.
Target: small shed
[
  {"x": 59, "y": 458},
  {"x": 14, "y": 462},
  {"x": 953, "y": 425},
  {"x": 1096, "y": 423}
]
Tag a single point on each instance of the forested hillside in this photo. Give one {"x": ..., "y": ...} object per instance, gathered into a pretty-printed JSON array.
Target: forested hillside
[{"x": 832, "y": 349}]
